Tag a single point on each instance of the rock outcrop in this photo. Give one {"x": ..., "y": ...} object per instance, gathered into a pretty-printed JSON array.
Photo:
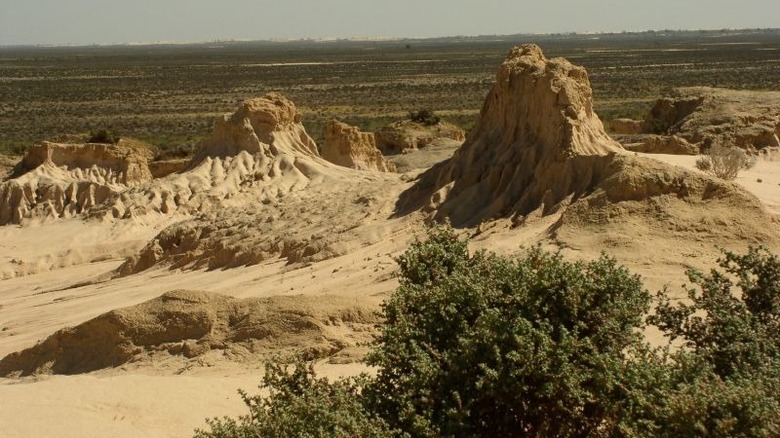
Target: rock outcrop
[
  {"x": 261, "y": 152},
  {"x": 406, "y": 135},
  {"x": 538, "y": 149},
  {"x": 537, "y": 142},
  {"x": 348, "y": 146},
  {"x": 658, "y": 144},
  {"x": 163, "y": 168},
  {"x": 702, "y": 115},
  {"x": 189, "y": 324},
  {"x": 626, "y": 126},
  {"x": 62, "y": 180},
  {"x": 269, "y": 126}
]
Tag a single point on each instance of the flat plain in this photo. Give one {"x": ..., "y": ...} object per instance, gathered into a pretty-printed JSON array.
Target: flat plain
[{"x": 168, "y": 95}]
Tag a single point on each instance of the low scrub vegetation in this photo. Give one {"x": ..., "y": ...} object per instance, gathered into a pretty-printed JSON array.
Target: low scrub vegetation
[
  {"x": 485, "y": 345},
  {"x": 725, "y": 162},
  {"x": 103, "y": 136},
  {"x": 424, "y": 117},
  {"x": 169, "y": 96}
]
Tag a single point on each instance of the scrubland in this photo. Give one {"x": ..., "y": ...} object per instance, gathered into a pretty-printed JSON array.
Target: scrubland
[{"x": 168, "y": 95}]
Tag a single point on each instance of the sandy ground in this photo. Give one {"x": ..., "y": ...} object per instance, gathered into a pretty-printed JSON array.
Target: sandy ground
[
  {"x": 36, "y": 302},
  {"x": 129, "y": 405}
]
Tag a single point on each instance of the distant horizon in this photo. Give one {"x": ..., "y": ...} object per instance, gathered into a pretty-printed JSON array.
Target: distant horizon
[
  {"x": 115, "y": 22},
  {"x": 388, "y": 39}
]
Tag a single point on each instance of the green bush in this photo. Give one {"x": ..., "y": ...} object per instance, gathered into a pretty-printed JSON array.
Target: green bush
[
  {"x": 424, "y": 117},
  {"x": 485, "y": 345},
  {"x": 301, "y": 405},
  {"x": 103, "y": 136},
  {"x": 730, "y": 359}
]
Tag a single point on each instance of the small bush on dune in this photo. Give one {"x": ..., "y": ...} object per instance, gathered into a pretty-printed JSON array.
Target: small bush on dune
[
  {"x": 485, "y": 345},
  {"x": 725, "y": 162}
]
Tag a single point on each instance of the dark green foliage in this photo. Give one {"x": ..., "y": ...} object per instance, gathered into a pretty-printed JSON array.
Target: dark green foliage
[
  {"x": 301, "y": 405},
  {"x": 736, "y": 331},
  {"x": 484, "y": 345},
  {"x": 730, "y": 362},
  {"x": 658, "y": 126},
  {"x": 103, "y": 136},
  {"x": 424, "y": 117}
]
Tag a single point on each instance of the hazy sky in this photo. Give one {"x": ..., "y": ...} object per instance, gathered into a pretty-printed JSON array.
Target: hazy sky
[{"x": 112, "y": 21}]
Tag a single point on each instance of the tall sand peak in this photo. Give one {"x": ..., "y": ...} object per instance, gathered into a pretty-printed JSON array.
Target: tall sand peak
[
  {"x": 539, "y": 149},
  {"x": 270, "y": 125},
  {"x": 537, "y": 141}
]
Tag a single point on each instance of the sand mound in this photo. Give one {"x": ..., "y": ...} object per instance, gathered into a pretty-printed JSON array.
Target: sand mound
[
  {"x": 191, "y": 324},
  {"x": 260, "y": 153},
  {"x": 309, "y": 227},
  {"x": 347, "y": 146},
  {"x": 62, "y": 180},
  {"x": 537, "y": 141},
  {"x": 705, "y": 115},
  {"x": 406, "y": 136},
  {"x": 258, "y": 189},
  {"x": 538, "y": 148},
  {"x": 645, "y": 200}
]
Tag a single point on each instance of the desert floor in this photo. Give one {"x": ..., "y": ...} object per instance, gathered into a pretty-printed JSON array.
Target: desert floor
[{"x": 68, "y": 285}]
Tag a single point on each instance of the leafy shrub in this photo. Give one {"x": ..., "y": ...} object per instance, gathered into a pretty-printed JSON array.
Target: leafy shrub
[
  {"x": 485, "y": 345},
  {"x": 103, "y": 136},
  {"x": 731, "y": 356},
  {"x": 424, "y": 117},
  {"x": 658, "y": 126},
  {"x": 725, "y": 161},
  {"x": 301, "y": 405}
]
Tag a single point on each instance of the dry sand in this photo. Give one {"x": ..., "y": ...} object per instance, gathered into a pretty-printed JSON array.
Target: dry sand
[{"x": 134, "y": 403}]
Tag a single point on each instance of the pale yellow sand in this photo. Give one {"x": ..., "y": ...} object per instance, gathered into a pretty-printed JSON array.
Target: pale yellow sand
[{"x": 134, "y": 403}]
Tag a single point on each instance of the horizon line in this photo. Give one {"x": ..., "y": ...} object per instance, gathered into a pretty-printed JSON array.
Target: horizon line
[{"x": 327, "y": 39}]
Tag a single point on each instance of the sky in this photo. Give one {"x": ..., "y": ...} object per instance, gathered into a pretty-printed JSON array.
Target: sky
[{"x": 79, "y": 22}]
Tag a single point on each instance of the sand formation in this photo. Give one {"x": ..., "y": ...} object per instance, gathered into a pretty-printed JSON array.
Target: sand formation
[
  {"x": 63, "y": 180},
  {"x": 258, "y": 189},
  {"x": 659, "y": 144},
  {"x": 262, "y": 150},
  {"x": 703, "y": 116},
  {"x": 537, "y": 141},
  {"x": 191, "y": 324},
  {"x": 348, "y": 146},
  {"x": 538, "y": 148},
  {"x": 258, "y": 153},
  {"x": 407, "y": 136}
]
